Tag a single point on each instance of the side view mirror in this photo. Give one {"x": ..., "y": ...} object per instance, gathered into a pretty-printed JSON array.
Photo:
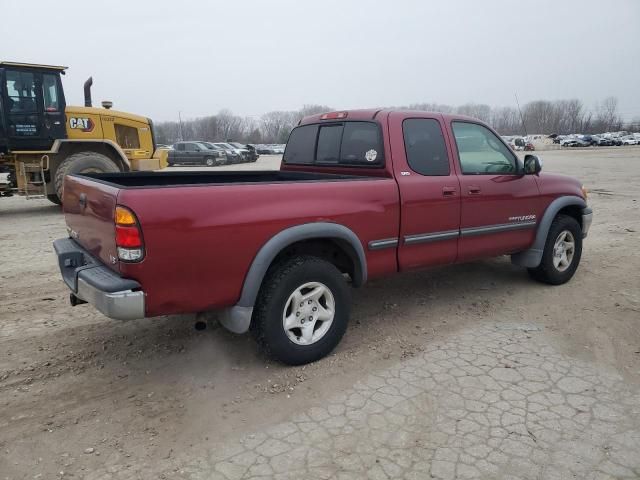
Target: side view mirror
[{"x": 532, "y": 165}]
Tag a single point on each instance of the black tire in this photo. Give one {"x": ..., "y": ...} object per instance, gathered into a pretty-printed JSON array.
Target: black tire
[
  {"x": 547, "y": 272},
  {"x": 53, "y": 198},
  {"x": 209, "y": 162},
  {"x": 82, "y": 162},
  {"x": 280, "y": 282}
]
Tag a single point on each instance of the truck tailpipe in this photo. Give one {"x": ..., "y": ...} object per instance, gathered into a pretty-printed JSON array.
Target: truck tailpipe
[
  {"x": 75, "y": 300},
  {"x": 87, "y": 92}
]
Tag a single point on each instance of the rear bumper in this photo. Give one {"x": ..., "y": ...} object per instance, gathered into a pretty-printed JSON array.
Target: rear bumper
[
  {"x": 91, "y": 281},
  {"x": 587, "y": 218}
]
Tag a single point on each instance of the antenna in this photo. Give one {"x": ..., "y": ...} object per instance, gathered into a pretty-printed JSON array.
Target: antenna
[{"x": 521, "y": 117}]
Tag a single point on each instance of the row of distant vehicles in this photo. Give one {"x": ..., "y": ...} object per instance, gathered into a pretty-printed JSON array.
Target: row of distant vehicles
[
  {"x": 602, "y": 140},
  {"x": 217, "y": 153},
  {"x": 519, "y": 143}
]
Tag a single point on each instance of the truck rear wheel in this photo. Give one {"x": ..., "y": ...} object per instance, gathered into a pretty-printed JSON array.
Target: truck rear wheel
[
  {"x": 82, "y": 162},
  {"x": 302, "y": 310},
  {"x": 562, "y": 252}
]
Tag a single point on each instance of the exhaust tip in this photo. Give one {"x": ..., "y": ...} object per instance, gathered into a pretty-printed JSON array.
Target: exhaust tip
[
  {"x": 200, "y": 325},
  {"x": 73, "y": 300},
  {"x": 87, "y": 92}
]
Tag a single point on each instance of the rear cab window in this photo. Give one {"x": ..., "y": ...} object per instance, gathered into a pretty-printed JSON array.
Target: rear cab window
[{"x": 347, "y": 143}]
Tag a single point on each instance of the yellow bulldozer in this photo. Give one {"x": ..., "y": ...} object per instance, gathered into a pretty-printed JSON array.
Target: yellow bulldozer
[{"x": 42, "y": 139}]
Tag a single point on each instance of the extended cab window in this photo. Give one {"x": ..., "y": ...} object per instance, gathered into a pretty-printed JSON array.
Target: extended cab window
[
  {"x": 481, "y": 151},
  {"x": 425, "y": 147},
  {"x": 343, "y": 144}
]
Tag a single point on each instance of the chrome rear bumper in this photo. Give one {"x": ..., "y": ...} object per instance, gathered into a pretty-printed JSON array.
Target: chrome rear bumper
[
  {"x": 123, "y": 305},
  {"x": 91, "y": 281}
]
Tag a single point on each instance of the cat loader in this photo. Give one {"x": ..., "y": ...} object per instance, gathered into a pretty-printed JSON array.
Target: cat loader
[{"x": 42, "y": 139}]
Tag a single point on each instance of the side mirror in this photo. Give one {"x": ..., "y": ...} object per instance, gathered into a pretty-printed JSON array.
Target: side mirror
[{"x": 532, "y": 165}]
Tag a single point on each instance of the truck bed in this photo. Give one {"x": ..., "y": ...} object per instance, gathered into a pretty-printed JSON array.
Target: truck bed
[
  {"x": 177, "y": 179},
  {"x": 211, "y": 228}
]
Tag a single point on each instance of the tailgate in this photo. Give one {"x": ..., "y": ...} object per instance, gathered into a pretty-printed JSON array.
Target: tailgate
[{"x": 89, "y": 208}]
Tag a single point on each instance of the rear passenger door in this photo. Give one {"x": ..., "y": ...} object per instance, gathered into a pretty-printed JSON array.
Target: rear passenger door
[{"x": 429, "y": 191}]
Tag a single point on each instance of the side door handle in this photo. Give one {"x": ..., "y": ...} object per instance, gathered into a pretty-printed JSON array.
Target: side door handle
[
  {"x": 474, "y": 190},
  {"x": 448, "y": 191}
]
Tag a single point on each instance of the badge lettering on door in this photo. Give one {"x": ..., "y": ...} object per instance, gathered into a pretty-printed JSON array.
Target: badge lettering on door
[
  {"x": 523, "y": 218},
  {"x": 80, "y": 123}
]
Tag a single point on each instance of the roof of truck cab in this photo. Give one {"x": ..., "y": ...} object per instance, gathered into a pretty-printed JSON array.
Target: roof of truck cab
[
  {"x": 378, "y": 113},
  {"x": 32, "y": 65}
]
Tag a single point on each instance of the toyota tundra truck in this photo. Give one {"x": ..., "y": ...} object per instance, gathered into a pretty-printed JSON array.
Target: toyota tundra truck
[{"x": 359, "y": 195}]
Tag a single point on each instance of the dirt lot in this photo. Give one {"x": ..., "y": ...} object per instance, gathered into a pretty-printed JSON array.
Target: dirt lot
[{"x": 471, "y": 371}]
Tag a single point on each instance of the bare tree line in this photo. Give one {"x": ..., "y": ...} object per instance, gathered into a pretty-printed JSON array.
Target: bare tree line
[{"x": 540, "y": 117}]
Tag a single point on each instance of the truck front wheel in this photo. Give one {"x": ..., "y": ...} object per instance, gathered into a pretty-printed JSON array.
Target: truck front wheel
[
  {"x": 82, "y": 162},
  {"x": 562, "y": 252},
  {"x": 302, "y": 310}
]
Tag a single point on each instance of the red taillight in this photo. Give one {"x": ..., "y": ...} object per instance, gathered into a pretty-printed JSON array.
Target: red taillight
[
  {"x": 333, "y": 115},
  {"x": 129, "y": 241},
  {"x": 128, "y": 237}
]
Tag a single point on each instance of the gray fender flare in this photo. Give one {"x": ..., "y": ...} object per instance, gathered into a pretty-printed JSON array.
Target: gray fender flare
[
  {"x": 532, "y": 257},
  {"x": 238, "y": 318}
]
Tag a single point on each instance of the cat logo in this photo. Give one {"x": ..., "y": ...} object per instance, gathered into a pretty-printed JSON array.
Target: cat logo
[{"x": 84, "y": 124}]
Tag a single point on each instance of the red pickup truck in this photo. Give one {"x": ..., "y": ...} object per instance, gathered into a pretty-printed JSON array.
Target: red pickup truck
[{"x": 359, "y": 195}]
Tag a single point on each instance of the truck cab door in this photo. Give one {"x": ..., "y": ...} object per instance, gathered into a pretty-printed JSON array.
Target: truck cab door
[
  {"x": 429, "y": 190},
  {"x": 54, "y": 105},
  {"x": 31, "y": 123},
  {"x": 500, "y": 205}
]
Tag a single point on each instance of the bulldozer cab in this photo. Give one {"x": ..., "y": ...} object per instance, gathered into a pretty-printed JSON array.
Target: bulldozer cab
[{"x": 32, "y": 106}]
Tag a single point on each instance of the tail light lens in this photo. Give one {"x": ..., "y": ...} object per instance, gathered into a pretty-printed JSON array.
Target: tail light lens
[{"x": 129, "y": 240}]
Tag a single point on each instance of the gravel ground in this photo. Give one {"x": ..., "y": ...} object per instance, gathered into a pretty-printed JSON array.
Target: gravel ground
[{"x": 470, "y": 371}]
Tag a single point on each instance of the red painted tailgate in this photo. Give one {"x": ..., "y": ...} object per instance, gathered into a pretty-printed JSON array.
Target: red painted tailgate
[{"x": 89, "y": 208}]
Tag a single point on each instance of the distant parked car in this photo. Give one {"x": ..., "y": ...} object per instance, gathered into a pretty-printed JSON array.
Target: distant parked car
[
  {"x": 229, "y": 156},
  {"x": 233, "y": 155},
  {"x": 247, "y": 153},
  {"x": 605, "y": 142},
  {"x": 264, "y": 150},
  {"x": 253, "y": 154},
  {"x": 194, "y": 153},
  {"x": 241, "y": 153},
  {"x": 581, "y": 142},
  {"x": 629, "y": 140}
]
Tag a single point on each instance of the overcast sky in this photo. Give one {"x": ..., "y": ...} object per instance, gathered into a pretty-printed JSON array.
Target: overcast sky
[{"x": 159, "y": 57}]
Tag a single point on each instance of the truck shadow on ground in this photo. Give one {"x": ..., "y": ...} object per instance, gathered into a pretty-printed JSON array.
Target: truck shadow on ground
[{"x": 394, "y": 306}]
